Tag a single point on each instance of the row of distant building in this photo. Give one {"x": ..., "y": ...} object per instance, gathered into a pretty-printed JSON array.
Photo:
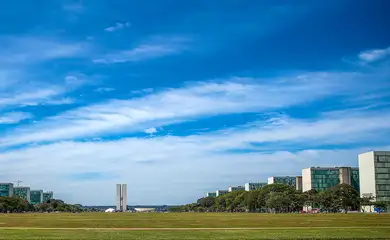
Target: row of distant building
[
  {"x": 31, "y": 196},
  {"x": 371, "y": 178}
]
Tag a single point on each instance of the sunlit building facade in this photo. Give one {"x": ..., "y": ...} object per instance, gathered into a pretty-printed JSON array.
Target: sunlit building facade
[
  {"x": 36, "y": 197},
  {"x": 238, "y": 188},
  {"x": 323, "y": 178},
  {"x": 47, "y": 196},
  {"x": 254, "y": 186},
  {"x": 211, "y": 194},
  {"x": 22, "y": 192},
  {"x": 293, "y": 181},
  {"x": 221, "y": 192},
  {"x": 6, "y": 189},
  {"x": 375, "y": 175}
]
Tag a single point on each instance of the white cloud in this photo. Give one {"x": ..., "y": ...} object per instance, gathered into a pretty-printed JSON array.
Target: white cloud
[
  {"x": 155, "y": 48},
  {"x": 33, "y": 50},
  {"x": 29, "y": 97},
  {"x": 104, "y": 89},
  {"x": 236, "y": 95},
  {"x": 151, "y": 130},
  {"x": 180, "y": 156},
  {"x": 22, "y": 86},
  {"x": 117, "y": 26},
  {"x": 374, "y": 54},
  {"x": 140, "y": 53},
  {"x": 59, "y": 101},
  {"x": 24, "y": 92},
  {"x": 143, "y": 91},
  {"x": 14, "y": 117}
]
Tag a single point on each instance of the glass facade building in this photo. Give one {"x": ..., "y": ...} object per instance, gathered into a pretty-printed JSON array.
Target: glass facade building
[
  {"x": 375, "y": 175},
  {"x": 320, "y": 178},
  {"x": 6, "y": 189},
  {"x": 355, "y": 182},
  {"x": 254, "y": 186},
  {"x": 291, "y": 181},
  {"x": 382, "y": 177},
  {"x": 211, "y": 194},
  {"x": 221, "y": 192},
  {"x": 323, "y": 179},
  {"x": 36, "y": 196},
  {"x": 22, "y": 192},
  {"x": 47, "y": 196},
  {"x": 238, "y": 188}
]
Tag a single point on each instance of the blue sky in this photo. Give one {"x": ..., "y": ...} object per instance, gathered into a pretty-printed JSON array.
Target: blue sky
[{"x": 178, "y": 98}]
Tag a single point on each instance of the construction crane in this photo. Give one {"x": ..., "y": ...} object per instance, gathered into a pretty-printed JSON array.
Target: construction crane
[{"x": 18, "y": 182}]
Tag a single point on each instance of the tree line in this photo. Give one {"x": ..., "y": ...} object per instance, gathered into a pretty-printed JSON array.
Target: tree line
[
  {"x": 280, "y": 198},
  {"x": 18, "y": 205}
]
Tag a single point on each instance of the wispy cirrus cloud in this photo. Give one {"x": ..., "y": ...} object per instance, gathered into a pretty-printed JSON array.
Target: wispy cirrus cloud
[
  {"x": 14, "y": 117},
  {"x": 117, "y": 26},
  {"x": 32, "y": 93},
  {"x": 143, "y": 91},
  {"x": 104, "y": 89},
  {"x": 18, "y": 50},
  {"x": 155, "y": 48},
  {"x": 21, "y": 81},
  {"x": 235, "y": 95},
  {"x": 140, "y": 53},
  {"x": 374, "y": 54}
]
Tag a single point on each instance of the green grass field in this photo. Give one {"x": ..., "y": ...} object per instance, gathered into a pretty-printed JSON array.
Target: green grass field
[{"x": 193, "y": 226}]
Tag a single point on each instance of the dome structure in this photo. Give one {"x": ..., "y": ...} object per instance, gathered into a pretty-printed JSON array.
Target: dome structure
[{"x": 110, "y": 210}]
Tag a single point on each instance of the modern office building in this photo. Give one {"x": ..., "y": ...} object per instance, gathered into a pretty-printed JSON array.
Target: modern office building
[
  {"x": 298, "y": 183},
  {"x": 221, "y": 192},
  {"x": 254, "y": 186},
  {"x": 211, "y": 194},
  {"x": 288, "y": 180},
  {"x": 322, "y": 178},
  {"x": 6, "y": 189},
  {"x": 47, "y": 196},
  {"x": 22, "y": 192},
  {"x": 237, "y": 188},
  {"x": 36, "y": 197},
  {"x": 121, "y": 197},
  {"x": 375, "y": 175}
]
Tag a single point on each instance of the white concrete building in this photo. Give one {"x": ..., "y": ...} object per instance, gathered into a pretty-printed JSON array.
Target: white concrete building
[
  {"x": 221, "y": 192},
  {"x": 375, "y": 175},
  {"x": 121, "y": 197}
]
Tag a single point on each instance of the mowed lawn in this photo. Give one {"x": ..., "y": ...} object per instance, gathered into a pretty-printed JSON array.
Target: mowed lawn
[{"x": 189, "y": 226}]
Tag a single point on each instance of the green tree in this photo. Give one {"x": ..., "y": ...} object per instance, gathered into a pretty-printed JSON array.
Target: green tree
[
  {"x": 326, "y": 200},
  {"x": 297, "y": 201},
  {"x": 279, "y": 202},
  {"x": 220, "y": 203},
  {"x": 251, "y": 200},
  {"x": 206, "y": 202},
  {"x": 346, "y": 197}
]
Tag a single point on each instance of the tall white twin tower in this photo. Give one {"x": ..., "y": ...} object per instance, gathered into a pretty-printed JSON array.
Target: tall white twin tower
[{"x": 121, "y": 197}]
